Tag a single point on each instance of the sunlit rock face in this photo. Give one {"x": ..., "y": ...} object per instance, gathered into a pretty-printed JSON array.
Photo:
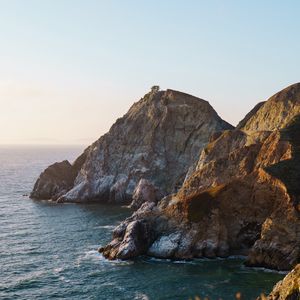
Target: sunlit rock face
[
  {"x": 242, "y": 197},
  {"x": 158, "y": 139},
  {"x": 275, "y": 113}
]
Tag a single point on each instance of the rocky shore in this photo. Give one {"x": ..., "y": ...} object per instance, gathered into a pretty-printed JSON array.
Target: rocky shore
[{"x": 241, "y": 197}]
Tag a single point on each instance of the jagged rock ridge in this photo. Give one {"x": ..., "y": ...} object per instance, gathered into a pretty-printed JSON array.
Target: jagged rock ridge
[
  {"x": 157, "y": 140},
  {"x": 241, "y": 197}
]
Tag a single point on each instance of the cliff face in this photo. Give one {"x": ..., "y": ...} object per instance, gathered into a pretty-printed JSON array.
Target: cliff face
[
  {"x": 242, "y": 196},
  {"x": 157, "y": 140}
]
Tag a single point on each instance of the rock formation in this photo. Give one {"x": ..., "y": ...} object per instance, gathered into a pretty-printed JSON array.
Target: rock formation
[
  {"x": 145, "y": 191},
  {"x": 286, "y": 289},
  {"x": 275, "y": 113},
  {"x": 157, "y": 140},
  {"x": 57, "y": 179},
  {"x": 242, "y": 197}
]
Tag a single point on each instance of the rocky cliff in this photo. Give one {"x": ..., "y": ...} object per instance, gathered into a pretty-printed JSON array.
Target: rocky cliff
[
  {"x": 286, "y": 289},
  {"x": 242, "y": 197},
  {"x": 153, "y": 144}
]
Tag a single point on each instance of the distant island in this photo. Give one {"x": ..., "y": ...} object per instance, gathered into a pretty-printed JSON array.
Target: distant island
[{"x": 199, "y": 186}]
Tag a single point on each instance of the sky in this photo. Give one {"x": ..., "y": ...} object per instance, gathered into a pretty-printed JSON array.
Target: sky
[{"x": 70, "y": 68}]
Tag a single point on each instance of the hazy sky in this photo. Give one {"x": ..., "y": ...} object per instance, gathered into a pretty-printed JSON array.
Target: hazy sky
[{"x": 69, "y": 68}]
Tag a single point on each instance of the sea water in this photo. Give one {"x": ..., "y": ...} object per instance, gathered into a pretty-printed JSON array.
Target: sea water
[{"x": 49, "y": 251}]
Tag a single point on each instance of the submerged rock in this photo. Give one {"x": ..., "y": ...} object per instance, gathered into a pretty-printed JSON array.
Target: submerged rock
[{"x": 157, "y": 140}]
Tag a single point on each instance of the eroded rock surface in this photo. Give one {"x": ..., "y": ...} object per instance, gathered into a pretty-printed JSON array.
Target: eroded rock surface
[{"x": 157, "y": 140}]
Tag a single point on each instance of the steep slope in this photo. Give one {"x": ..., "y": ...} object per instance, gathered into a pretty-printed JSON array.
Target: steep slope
[
  {"x": 157, "y": 140},
  {"x": 242, "y": 197}
]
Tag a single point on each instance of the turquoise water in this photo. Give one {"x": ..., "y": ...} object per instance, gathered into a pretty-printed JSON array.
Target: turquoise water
[{"x": 48, "y": 251}]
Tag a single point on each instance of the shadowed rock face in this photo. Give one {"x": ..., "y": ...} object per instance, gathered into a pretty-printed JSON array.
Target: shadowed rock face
[
  {"x": 241, "y": 197},
  {"x": 286, "y": 289},
  {"x": 157, "y": 140},
  {"x": 54, "y": 181},
  {"x": 57, "y": 179},
  {"x": 279, "y": 244}
]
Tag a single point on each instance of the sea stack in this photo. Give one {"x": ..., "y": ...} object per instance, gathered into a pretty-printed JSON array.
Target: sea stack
[{"x": 156, "y": 141}]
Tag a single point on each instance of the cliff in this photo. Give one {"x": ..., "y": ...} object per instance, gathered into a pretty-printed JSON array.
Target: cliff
[
  {"x": 155, "y": 142},
  {"x": 286, "y": 289},
  {"x": 242, "y": 197}
]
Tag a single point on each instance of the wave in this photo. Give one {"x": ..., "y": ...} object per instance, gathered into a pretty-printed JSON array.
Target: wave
[
  {"x": 31, "y": 280},
  {"x": 95, "y": 257},
  {"x": 141, "y": 296},
  {"x": 58, "y": 270},
  {"x": 266, "y": 270},
  {"x": 110, "y": 227}
]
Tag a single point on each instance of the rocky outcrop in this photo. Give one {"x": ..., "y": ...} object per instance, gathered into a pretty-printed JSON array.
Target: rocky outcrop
[
  {"x": 56, "y": 180},
  {"x": 242, "y": 197},
  {"x": 157, "y": 140},
  {"x": 133, "y": 236},
  {"x": 286, "y": 289},
  {"x": 145, "y": 191}
]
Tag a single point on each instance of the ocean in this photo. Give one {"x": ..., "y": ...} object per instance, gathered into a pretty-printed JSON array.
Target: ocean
[{"x": 49, "y": 251}]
